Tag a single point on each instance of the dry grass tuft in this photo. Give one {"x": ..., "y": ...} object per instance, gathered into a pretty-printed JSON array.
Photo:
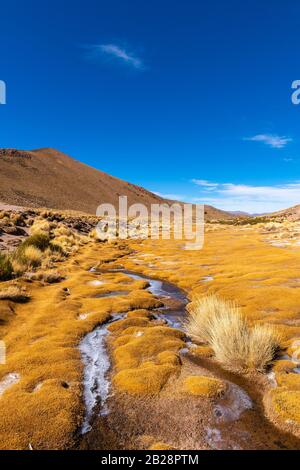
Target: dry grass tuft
[
  {"x": 38, "y": 240},
  {"x": 33, "y": 256},
  {"x": 35, "y": 251},
  {"x": 6, "y": 268},
  {"x": 40, "y": 227},
  {"x": 49, "y": 277},
  {"x": 220, "y": 324},
  {"x": 14, "y": 293},
  {"x": 264, "y": 342},
  {"x": 19, "y": 267}
]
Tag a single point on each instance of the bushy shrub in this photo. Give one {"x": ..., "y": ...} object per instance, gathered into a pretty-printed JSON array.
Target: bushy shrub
[
  {"x": 40, "y": 227},
  {"x": 30, "y": 252},
  {"x": 38, "y": 240},
  {"x": 235, "y": 343},
  {"x": 6, "y": 269},
  {"x": 32, "y": 256}
]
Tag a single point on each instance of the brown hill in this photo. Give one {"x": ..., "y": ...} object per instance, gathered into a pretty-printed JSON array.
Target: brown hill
[
  {"x": 49, "y": 178},
  {"x": 292, "y": 213}
]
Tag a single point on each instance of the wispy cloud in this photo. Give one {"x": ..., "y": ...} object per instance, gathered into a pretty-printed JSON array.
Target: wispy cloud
[
  {"x": 116, "y": 53},
  {"x": 173, "y": 196},
  {"x": 251, "y": 199},
  {"x": 205, "y": 184},
  {"x": 274, "y": 141}
]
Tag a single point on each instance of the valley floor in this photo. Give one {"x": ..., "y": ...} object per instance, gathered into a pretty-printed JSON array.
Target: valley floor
[{"x": 150, "y": 401}]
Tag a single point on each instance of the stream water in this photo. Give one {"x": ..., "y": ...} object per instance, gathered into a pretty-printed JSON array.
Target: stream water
[
  {"x": 96, "y": 366},
  {"x": 93, "y": 347}
]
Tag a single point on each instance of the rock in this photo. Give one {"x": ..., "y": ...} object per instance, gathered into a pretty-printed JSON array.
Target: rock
[
  {"x": 14, "y": 153},
  {"x": 13, "y": 230}
]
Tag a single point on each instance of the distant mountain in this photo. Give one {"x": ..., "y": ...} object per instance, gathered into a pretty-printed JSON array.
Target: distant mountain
[
  {"x": 240, "y": 214},
  {"x": 49, "y": 178}
]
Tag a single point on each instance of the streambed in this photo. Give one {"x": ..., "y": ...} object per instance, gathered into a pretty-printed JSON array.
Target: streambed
[{"x": 94, "y": 353}]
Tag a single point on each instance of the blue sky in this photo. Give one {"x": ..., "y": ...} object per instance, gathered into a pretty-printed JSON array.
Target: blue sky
[{"x": 190, "y": 99}]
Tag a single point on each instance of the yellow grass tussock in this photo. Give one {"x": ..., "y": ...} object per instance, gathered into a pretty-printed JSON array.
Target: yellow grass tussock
[
  {"x": 148, "y": 379},
  {"x": 202, "y": 386},
  {"x": 33, "y": 256},
  {"x": 221, "y": 325},
  {"x": 284, "y": 404},
  {"x": 40, "y": 226},
  {"x": 13, "y": 293}
]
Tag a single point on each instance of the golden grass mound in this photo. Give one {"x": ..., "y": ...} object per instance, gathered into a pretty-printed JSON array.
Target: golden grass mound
[
  {"x": 169, "y": 357},
  {"x": 283, "y": 366},
  {"x": 291, "y": 381},
  {"x": 148, "y": 379},
  {"x": 202, "y": 351},
  {"x": 161, "y": 446},
  {"x": 220, "y": 324},
  {"x": 204, "y": 386},
  {"x": 140, "y": 313},
  {"x": 145, "y": 355},
  {"x": 126, "y": 323},
  {"x": 285, "y": 404},
  {"x": 146, "y": 344}
]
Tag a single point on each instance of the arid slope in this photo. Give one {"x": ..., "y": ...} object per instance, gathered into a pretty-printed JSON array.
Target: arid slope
[
  {"x": 49, "y": 178},
  {"x": 292, "y": 213}
]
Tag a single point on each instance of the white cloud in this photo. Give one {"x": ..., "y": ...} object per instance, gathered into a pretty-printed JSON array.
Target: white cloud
[
  {"x": 115, "y": 52},
  {"x": 206, "y": 184},
  {"x": 274, "y": 141},
  {"x": 176, "y": 197},
  {"x": 253, "y": 199}
]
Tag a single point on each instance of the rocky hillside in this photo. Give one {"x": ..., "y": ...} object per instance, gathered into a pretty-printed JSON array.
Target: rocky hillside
[{"x": 292, "y": 213}]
